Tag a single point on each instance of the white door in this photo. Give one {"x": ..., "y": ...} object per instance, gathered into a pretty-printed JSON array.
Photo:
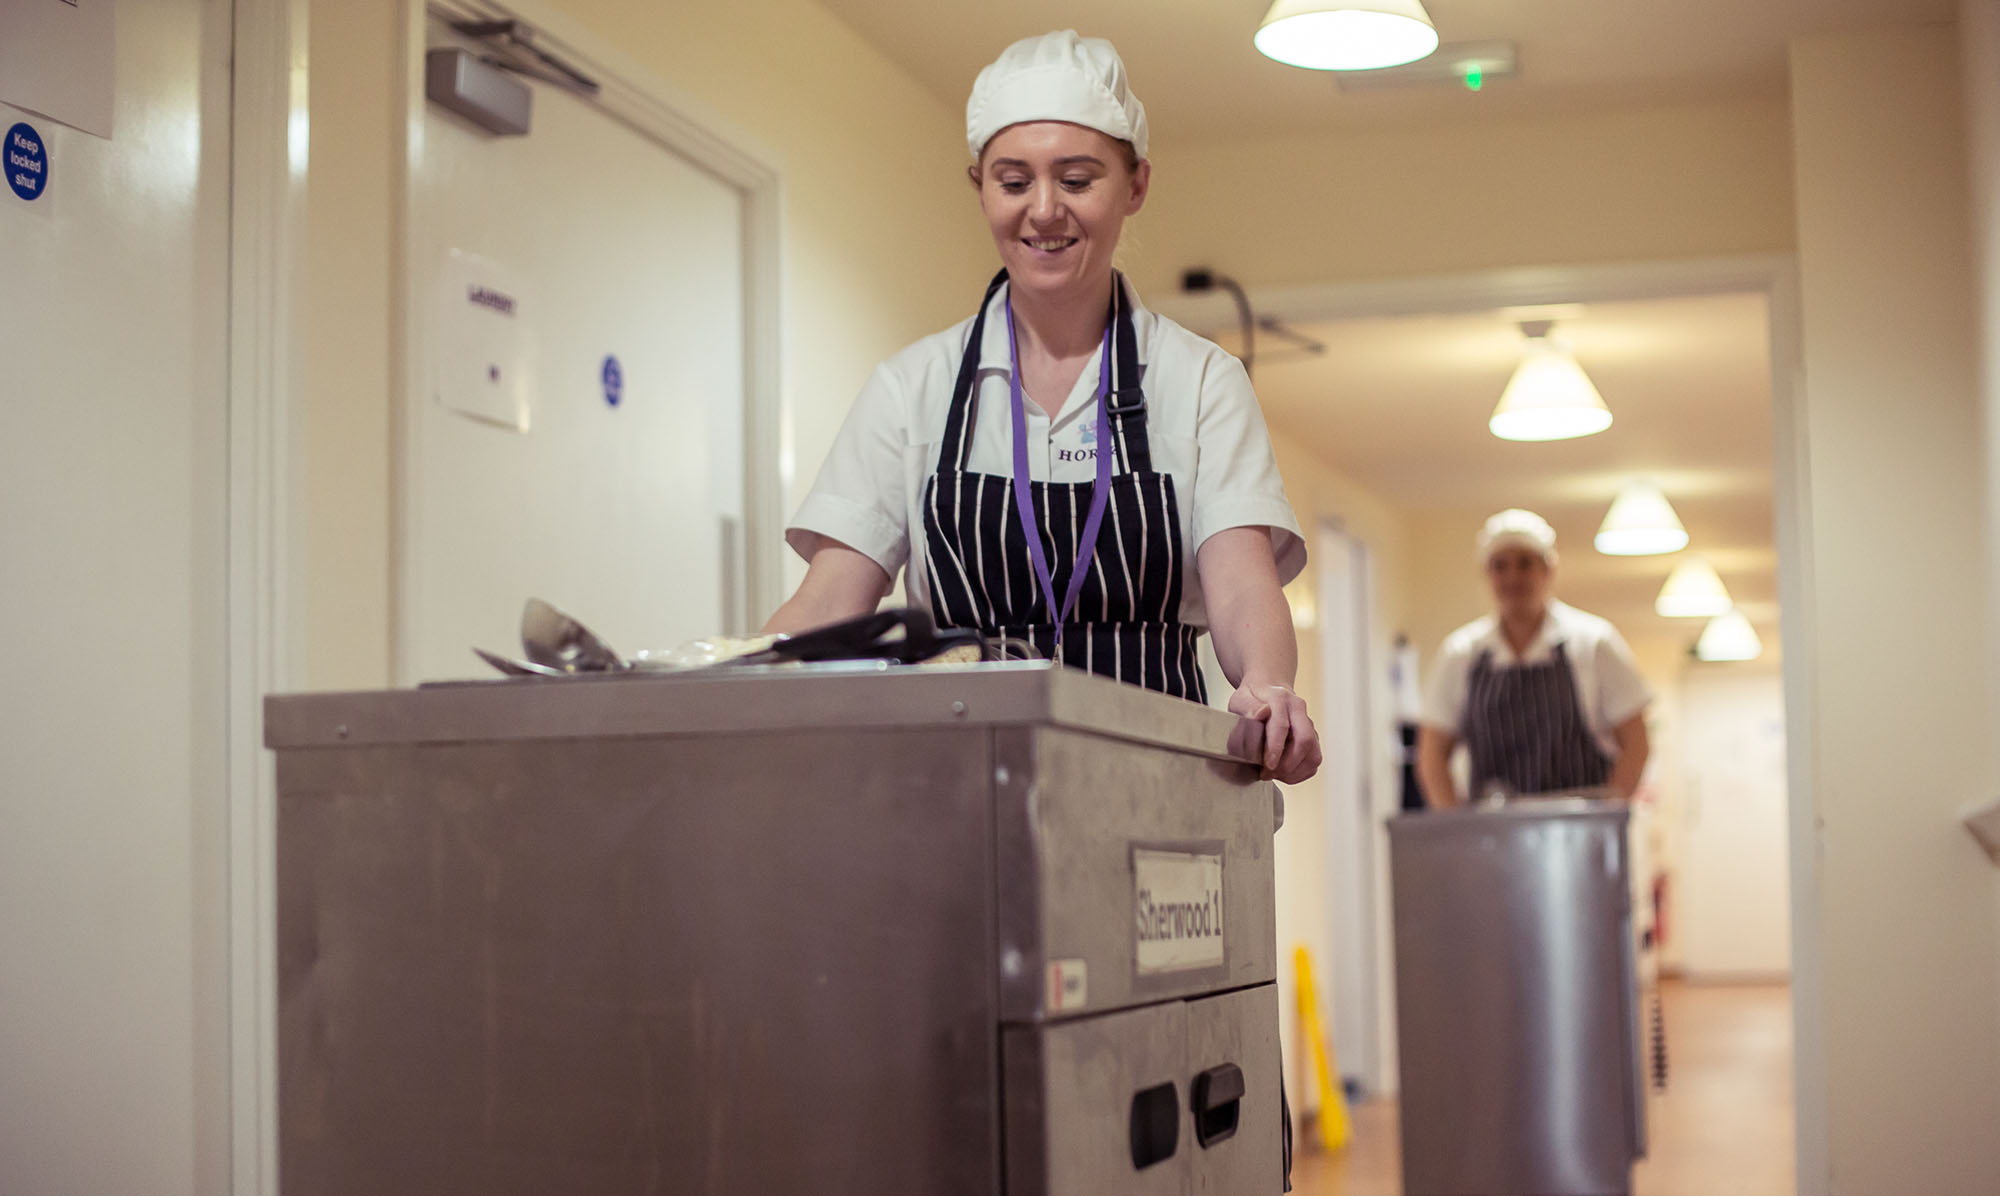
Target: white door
[
  {"x": 113, "y": 533},
  {"x": 620, "y": 266},
  {"x": 1735, "y": 907},
  {"x": 1352, "y": 822}
]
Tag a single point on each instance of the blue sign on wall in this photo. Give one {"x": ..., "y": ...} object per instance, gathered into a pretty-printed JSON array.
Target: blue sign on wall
[
  {"x": 27, "y": 161},
  {"x": 614, "y": 381}
]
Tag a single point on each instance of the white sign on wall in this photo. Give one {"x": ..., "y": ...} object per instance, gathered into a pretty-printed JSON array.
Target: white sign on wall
[
  {"x": 483, "y": 361},
  {"x": 57, "y": 58}
]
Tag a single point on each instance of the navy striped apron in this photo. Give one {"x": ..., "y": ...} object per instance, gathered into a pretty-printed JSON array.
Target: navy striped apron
[
  {"x": 1126, "y": 621},
  {"x": 1523, "y": 726}
]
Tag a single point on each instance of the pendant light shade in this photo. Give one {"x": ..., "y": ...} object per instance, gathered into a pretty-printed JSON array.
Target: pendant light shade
[
  {"x": 1693, "y": 590},
  {"x": 1729, "y": 636},
  {"x": 1549, "y": 397},
  {"x": 1346, "y": 35},
  {"x": 1641, "y": 522}
]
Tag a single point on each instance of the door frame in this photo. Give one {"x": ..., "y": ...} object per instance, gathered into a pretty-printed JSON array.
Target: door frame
[
  {"x": 265, "y": 616},
  {"x": 1357, "y": 887},
  {"x": 655, "y": 109},
  {"x": 1775, "y": 276}
]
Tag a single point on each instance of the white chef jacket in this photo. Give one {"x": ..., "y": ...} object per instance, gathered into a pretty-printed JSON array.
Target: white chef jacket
[
  {"x": 1202, "y": 422},
  {"x": 1609, "y": 687}
]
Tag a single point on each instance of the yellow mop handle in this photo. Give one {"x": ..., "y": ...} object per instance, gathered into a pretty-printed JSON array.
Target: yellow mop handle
[{"x": 1333, "y": 1126}]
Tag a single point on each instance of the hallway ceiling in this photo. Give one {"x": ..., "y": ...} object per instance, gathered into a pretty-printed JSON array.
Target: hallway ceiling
[
  {"x": 1400, "y": 405},
  {"x": 1192, "y": 63}
]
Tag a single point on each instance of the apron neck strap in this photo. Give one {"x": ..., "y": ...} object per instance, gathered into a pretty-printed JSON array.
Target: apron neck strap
[
  {"x": 1126, "y": 402},
  {"x": 956, "y": 450}
]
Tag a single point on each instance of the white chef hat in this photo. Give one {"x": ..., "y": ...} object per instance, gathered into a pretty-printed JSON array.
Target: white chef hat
[
  {"x": 1057, "y": 76},
  {"x": 1515, "y": 528}
]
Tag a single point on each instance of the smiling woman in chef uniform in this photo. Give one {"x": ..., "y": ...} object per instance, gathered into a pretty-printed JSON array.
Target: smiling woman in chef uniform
[{"x": 1064, "y": 466}]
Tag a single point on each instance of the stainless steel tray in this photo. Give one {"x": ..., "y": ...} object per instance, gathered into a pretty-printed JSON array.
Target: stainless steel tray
[{"x": 749, "y": 698}]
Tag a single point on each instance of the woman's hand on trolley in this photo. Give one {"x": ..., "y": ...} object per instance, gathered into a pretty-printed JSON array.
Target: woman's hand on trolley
[
  {"x": 1252, "y": 627},
  {"x": 1273, "y": 728}
]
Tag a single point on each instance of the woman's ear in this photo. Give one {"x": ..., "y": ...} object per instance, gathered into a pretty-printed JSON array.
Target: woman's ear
[
  {"x": 1142, "y": 181},
  {"x": 972, "y": 173}
]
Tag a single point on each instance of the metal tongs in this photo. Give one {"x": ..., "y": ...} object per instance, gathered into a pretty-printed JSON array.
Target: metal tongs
[
  {"x": 904, "y": 635},
  {"x": 555, "y": 645}
]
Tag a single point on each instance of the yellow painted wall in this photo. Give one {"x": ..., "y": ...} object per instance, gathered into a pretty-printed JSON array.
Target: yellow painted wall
[
  {"x": 1306, "y": 893},
  {"x": 346, "y": 371},
  {"x": 1446, "y": 587},
  {"x": 1979, "y": 24},
  {"x": 1640, "y": 185},
  {"x": 1902, "y": 914},
  {"x": 1980, "y": 40}
]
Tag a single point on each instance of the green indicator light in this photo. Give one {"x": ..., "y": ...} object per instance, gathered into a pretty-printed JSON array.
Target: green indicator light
[{"x": 1474, "y": 78}]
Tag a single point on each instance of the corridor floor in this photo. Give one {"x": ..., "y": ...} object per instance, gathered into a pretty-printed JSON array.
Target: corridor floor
[{"x": 1724, "y": 1125}]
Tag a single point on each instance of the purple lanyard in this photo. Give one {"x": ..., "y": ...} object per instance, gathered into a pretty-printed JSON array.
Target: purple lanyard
[{"x": 1099, "y": 493}]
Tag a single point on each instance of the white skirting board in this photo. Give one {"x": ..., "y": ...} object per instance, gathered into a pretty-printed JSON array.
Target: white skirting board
[{"x": 1984, "y": 823}]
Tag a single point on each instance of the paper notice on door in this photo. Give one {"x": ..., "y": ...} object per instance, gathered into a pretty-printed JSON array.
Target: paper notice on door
[
  {"x": 483, "y": 358},
  {"x": 1177, "y": 900},
  {"x": 57, "y": 58}
]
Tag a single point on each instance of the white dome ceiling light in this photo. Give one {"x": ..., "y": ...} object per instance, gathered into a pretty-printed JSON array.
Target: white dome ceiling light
[
  {"x": 1694, "y": 590},
  {"x": 1729, "y": 636},
  {"x": 1346, "y": 35},
  {"x": 1549, "y": 397},
  {"x": 1641, "y": 522}
]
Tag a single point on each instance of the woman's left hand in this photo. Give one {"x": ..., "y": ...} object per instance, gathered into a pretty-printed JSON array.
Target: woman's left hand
[{"x": 1274, "y": 728}]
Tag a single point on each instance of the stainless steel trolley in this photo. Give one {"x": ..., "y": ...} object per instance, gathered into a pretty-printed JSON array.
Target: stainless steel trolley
[
  {"x": 1516, "y": 1000},
  {"x": 832, "y": 929}
]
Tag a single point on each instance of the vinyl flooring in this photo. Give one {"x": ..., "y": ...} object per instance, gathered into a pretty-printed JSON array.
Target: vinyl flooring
[{"x": 1723, "y": 1127}]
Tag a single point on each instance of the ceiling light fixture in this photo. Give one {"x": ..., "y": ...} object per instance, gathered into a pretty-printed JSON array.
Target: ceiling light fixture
[
  {"x": 1729, "y": 636},
  {"x": 1640, "y": 523},
  {"x": 1694, "y": 590},
  {"x": 1346, "y": 35},
  {"x": 1549, "y": 397}
]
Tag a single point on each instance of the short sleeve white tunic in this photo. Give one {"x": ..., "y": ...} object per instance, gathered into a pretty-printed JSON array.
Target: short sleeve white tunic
[
  {"x": 1203, "y": 421},
  {"x": 1609, "y": 687}
]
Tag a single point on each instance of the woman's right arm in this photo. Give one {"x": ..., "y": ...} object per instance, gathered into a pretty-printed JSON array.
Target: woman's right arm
[
  {"x": 1434, "y": 767},
  {"x": 852, "y": 529},
  {"x": 840, "y": 583}
]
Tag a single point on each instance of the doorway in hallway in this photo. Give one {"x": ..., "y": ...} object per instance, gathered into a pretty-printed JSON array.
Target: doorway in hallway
[{"x": 1693, "y": 364}]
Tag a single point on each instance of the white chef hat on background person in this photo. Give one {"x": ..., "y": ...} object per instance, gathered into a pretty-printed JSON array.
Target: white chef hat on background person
[
  {"x": 1515, "y": 528},
  {"x": 1057, "y": 76}
]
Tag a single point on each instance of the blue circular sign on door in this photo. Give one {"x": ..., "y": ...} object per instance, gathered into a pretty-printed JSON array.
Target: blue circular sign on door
[
  {"x": 27, "y": 162},
  {"x": 614, "y": 381}
]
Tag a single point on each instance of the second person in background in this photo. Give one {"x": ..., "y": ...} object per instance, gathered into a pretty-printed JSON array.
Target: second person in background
[{"x": 1546, "y": 698}]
